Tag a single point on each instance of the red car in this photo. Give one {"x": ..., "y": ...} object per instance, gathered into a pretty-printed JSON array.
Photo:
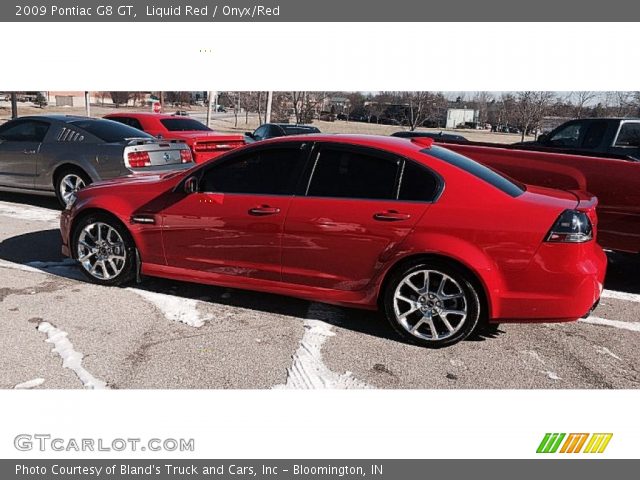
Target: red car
[
  {"x": 437, "y": 241},
  {"x": 205, "y": 144},
  {"x": 615, "y": 181}
]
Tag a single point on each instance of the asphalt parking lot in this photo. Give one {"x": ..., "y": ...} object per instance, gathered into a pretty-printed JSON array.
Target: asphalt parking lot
[{"x": 59, "y": 331}]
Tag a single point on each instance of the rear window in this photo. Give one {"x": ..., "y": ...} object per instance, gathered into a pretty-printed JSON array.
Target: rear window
[
  {"x": 297, "y": 130},
  {"x": 183, "y": 125},
  {"x": 109, "y": 131},
  {"x": 477, "y": 170}
]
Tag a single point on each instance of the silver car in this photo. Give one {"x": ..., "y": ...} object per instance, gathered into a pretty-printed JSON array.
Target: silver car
[{"x": 59, "y": 154}]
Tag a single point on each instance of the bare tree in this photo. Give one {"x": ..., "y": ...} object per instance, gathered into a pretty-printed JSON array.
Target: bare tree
[
  {"x": 531, "y": 107},
  {"x": 120, "y": 98},
  {"x": 481, "y": 101},
  {"x": 581, "y": 99}
]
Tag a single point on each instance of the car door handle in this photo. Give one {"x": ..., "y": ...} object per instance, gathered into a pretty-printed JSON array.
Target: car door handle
[
  {"x": 29, "y": 151},
  {"x": 263, "y": 210},
  {"x": 391, "y": 216}
]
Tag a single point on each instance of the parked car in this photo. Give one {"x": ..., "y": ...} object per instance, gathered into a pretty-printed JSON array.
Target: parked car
[
  {"x": 362, "y": 221},
  {"x": 58, "y": 154},
  {"x": 440, "y": 136},
  {"x": 273, "y": 130},
  {"x": 608, "y": 136},
  {"x": 615, "y": 181},
  {"x": 205, "y": 144}
]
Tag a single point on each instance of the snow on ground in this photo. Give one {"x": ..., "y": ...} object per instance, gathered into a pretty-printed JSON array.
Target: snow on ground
[
  {"x": 629, "y": 297},
  {"x": 174, "y": 308},
  {"x": 30, "y": 213},
  {"x": 633, "y": 326},
  {"x": 36, "y": 382},
  {"x": 308, "y": 370},
  {"x": 71, "y": 359}
]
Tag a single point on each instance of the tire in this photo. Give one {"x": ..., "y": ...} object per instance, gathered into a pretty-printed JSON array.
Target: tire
[
  {"x": 414, "y": 312},
  {"x": 67, "y": 181},
  {"x": 105, "y": 250}
]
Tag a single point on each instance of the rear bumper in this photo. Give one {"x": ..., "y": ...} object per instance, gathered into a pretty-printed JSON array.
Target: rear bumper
[{"x": 562, "y": 283}]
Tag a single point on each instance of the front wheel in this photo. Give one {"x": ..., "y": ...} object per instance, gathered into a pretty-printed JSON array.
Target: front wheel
[
  {"x": 432, "y": 304},
  {"x": 105, "y": 250}
]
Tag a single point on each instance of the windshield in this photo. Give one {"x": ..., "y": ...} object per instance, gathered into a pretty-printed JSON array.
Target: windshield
[
  {"x": 507, "y": 185},
  {"x": 109, "y": 131},
  {"x": 183, "y": 125}
]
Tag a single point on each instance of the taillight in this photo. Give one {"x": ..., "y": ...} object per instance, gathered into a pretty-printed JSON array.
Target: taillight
[
  {"x": 213, "y": 147},
  {"x": 139, "y": 159},
  {"x": 185, "y": 155},
  {"x": 572, "y": 226}
]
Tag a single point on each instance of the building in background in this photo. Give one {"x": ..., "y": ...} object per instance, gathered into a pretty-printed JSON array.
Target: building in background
[{"x": 461, "y": 116}]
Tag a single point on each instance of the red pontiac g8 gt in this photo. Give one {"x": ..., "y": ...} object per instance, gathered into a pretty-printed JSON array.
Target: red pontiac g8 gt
[{"x": 437, "y": 241}]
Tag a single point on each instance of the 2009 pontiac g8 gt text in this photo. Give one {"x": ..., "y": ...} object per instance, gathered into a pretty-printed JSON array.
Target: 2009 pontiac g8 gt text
[{"x": 437, "y": 241}]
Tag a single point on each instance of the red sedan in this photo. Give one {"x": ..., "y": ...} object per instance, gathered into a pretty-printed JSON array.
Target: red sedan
[
  {"x": 205, "y": 144},
  {"x": 437, "y": 241}
]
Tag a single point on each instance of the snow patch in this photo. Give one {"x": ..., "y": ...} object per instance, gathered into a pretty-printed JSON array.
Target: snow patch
[
  {"x": 308, "y": 371},
  {"x": 552, "y": 375},
  {"x": 29, "y": 213},
  {"x": 535, "y": 355},
  {"x": 36, "y": 382},
  {"x": 71, "y": 359},
  {"x": 629, "y": 297},
  {"x": 176, "y": 309},
  {"x": 633, "y": 326},
  {"x": 606, "y": 351}
]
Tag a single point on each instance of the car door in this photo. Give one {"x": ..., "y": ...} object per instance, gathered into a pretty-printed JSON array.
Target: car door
[
  {"x": 20, "y": 144},
  {"x": 358, "y": 206},
  {"x": 233, "y": 224}
]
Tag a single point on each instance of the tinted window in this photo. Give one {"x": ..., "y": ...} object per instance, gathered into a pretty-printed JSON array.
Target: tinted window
[
  {"x": 24, "y": 131},
  {"x": 594, "y": 134},
  {"x": 298, "y": 130},
  {"x": 418, "y": 183},
  {"x": 183, "y": 125},
  {"x": 629, "y": 135},
  {"x": 352, "y": 174},
  {"x": 260, "y": 133},
  {"x": 132, "y": 122},
  {"x": 271, "y": 171},
  {"x": 274, "y": 131},
  {"x": 568, "y": 136},
  {"x": 476, "y": 169},
  {"x": 109, "y": 131}
]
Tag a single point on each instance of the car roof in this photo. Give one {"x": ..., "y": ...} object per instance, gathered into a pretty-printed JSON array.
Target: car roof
[
  {"x": 157, "y": 116},
  {"x": 58, "y": 118},
  {"x": 382, "y": 142}
]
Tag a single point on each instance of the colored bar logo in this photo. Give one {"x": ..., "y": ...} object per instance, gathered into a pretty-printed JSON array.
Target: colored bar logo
[{"x": 574, "y": 443}]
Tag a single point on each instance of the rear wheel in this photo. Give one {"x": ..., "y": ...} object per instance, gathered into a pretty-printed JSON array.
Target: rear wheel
[
  {"x": 433, "y": 304},
  {"x": 68, "y": 182},
  {"x": 105, "y": 250}
]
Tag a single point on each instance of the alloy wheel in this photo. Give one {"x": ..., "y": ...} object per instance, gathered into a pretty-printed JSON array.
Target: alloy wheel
[
  {"x": 430, "y": 305},
  {"x": 69, "y": 186},
  {"x": 101, "y": 251}
]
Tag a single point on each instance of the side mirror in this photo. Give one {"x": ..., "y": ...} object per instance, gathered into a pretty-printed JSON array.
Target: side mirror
[
  {"x": 543, "y": 137},
  {"x": 191, "y": 185},
  {"x": 249, "y": 134}
]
